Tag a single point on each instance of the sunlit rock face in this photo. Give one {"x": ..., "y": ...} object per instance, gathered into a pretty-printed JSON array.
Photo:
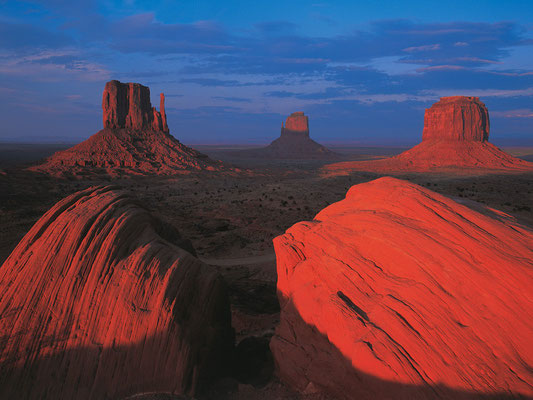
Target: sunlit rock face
[
  {"x": 457, "y": 118},
  {"x": 100, "y": 300},
  {"x": 454, "y": 139},
  {"x": 296, "y": 124},
  {"x": 399, "y": 292},
  {"x": 127, "y": 105},
  {"x": 135, "y": 141}
]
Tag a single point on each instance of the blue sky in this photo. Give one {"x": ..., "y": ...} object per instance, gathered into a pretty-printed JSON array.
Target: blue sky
[{"x": 364, "y": 71}]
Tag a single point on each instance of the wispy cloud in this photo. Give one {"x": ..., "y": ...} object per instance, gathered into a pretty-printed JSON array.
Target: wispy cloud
[
  {"x": 521, "y": 113},
  {"x": 52, "y": 66}
]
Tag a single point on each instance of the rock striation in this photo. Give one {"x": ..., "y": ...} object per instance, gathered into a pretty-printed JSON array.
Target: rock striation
[
  {"x": 455, "y": 138},
  {"x": 135, "y": 140},
  {"x": 457, "y": 118},
  {"x": 293, "y": 143},
  {"x": 399, "y": 292},
  {"x": 101, "y": 300}
]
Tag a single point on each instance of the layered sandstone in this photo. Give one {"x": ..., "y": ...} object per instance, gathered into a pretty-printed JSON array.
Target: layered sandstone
[
  {"x": 399, "y": 292},
  {"x": 294, "y": 143},
  {"x": 128, "y": 106},
  {"x": 457, "y": 118},
  {"x": 100, "y": 300},
  {"x": 455, "y": 138},
  {"x": 135, "y": 140}
]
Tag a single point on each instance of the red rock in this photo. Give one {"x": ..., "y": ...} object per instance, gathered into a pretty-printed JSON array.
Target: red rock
[
  {"x": 455, "y": 139},
  {"x": 127, "y": 105},
  {"x": 457, "y": 118},
  {"x": 297, "y": 122},
  {"x": 399, "y": 292},
  {"x": 101, "y": 300},
  {"x": 293, "y": 143},
  {"x": 135, "y": 140}
]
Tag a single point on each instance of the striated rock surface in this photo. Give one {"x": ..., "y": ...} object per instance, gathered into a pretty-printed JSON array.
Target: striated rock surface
[
  {"x": 293, "y": 143},
  {"x": 135, "y": 140},
  {"x": 457, "y": 118},
  {"x": 101, "y": 300},
  {"x": 399, "y": 292},
  {"x": 455, "y": 139}
]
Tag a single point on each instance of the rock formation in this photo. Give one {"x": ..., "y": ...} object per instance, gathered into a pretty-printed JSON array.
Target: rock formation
[
  {"x": 135, "y": 140},
  {"x": 296, "y": 124},
  {"x": 100, "y": 300},
  {"x": 399, "y": 292},
  {"x": 455, "y": 137},
  {"x": 293, "y": 143},
  {"x": 127, "y": 106},
  {"x": 457, "y": 118}
]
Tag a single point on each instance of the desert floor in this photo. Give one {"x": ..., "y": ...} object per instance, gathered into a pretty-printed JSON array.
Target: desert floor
[{"x": 231, "y": 220}]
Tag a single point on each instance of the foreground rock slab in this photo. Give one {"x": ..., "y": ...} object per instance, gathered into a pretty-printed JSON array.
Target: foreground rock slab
[
  {"x": 102, "y": 300},
  {"x": 399, "y": 292}
]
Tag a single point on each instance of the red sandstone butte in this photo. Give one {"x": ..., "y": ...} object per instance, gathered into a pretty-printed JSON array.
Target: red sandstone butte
[
  {"x": 455, "y": 137},
  {"x": 135, "y": 141},
  {"x": 457, "y": 118},
  {"x": 293, "y": 143},
  {"x": 297, "y": 122},
  {"x": 100, "y": 300},
  {"x": 127, "y": 105},
  {"x": 399, "y": 292}
]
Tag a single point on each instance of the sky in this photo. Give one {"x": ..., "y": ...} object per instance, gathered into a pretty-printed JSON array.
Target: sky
[{"x": 232, "y": 71}]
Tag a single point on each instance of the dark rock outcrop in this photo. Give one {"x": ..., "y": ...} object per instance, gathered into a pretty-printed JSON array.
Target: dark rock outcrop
[
  {"x": 455, "y": 139},
  {"x": 100, "y": 300},
  {"x": 135, "y": 140},
  {"x": 399, "y": 292}
]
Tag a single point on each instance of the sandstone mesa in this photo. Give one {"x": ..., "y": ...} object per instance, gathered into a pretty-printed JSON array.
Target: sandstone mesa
[{"x": 455, "y": 138}]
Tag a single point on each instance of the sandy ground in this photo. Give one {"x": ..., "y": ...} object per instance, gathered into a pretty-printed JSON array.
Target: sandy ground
[{"x": 231, "y": 221}]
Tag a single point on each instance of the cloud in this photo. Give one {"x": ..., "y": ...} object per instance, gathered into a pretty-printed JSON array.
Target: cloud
[
  {"x": 234, "y": 99},
  {"x": 52, "y": 66},
  {"x": 22, "y": 36},
  {"x": 526, "y": 92},
  {"x": 275, "y": 27},
  {"x": 427, "y": 47},
  {"x": 521, "y": 113},
  {"x": 225, "y": 83},
  {"x": 280, "y": 94}
]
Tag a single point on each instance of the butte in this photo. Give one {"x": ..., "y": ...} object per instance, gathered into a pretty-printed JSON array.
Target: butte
[
  {"x": 293, "y": 143},
  {"x": 455, "y": 138},
  {"x": 135, "y": 141}
]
